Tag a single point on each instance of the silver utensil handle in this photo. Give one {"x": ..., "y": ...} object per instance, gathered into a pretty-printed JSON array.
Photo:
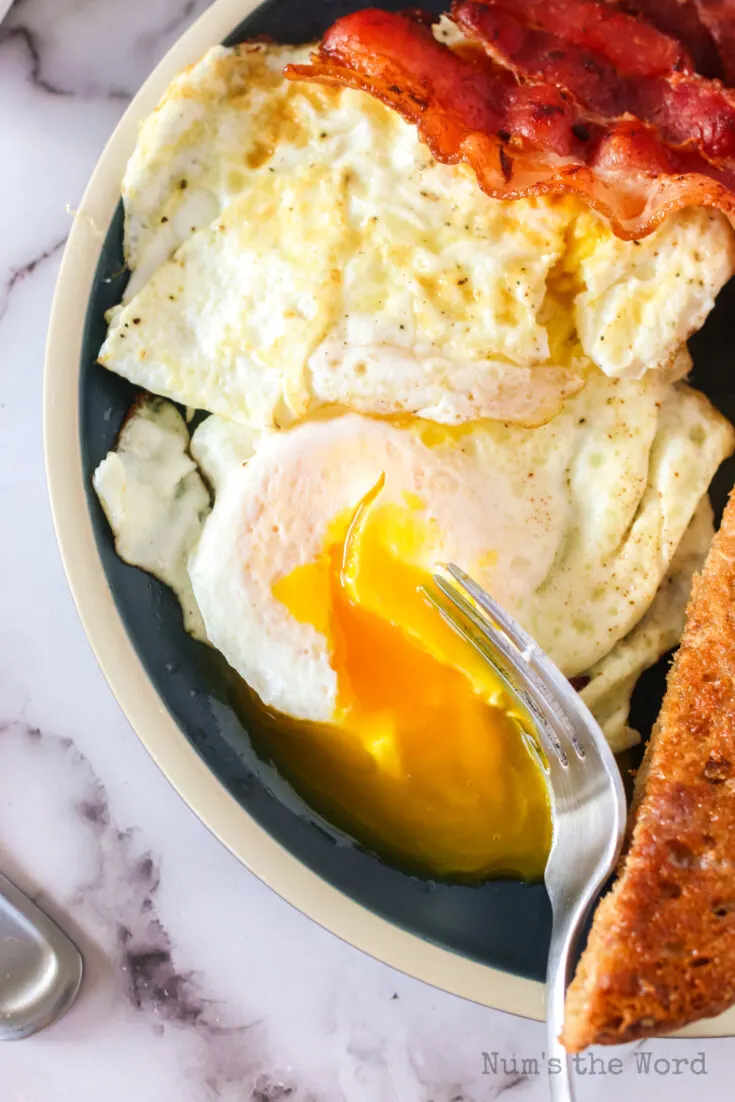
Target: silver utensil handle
[
  {"x": 40, "y": 967},
  {"x": 558, "y": 973}
]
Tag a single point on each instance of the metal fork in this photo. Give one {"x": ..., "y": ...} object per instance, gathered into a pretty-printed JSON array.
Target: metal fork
[{"x": 587, "y": 796}]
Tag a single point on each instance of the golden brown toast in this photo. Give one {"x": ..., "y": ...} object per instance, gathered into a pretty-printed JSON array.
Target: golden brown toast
[{"x": 661, "y": 951}]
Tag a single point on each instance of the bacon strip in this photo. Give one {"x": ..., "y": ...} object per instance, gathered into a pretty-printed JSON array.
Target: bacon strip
[
  {"x": 520, "y": 139},
  {"x": 631, "y": 45},
  {"x": 685, "y": 108},
  {"x": 718, "y": 16},
  {"x": 680, "y": 19},
  {"x": 705, "y": 27}
]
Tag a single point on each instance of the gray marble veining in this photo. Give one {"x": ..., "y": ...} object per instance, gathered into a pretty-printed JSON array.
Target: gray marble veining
[{"x": 202, "y": 985}]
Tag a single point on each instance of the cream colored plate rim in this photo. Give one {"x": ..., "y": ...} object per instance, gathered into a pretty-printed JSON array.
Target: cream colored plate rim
[{"x": 114, "y": 651}]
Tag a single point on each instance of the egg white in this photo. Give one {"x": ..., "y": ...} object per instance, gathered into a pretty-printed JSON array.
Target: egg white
[
  {"x": 155, "y": 500},
  {"x": 613, "y": 679},
  {"x": 220, "y": 446}
]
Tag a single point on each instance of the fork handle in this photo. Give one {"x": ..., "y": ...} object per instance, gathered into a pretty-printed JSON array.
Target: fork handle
[{"x": 563, "y": 940}]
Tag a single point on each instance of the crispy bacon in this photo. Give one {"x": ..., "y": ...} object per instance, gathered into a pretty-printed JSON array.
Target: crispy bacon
[
  {"x": 631, "y": 45},
  {"x": 521, "y": 139},
  {"x": 705, "y": 27},
  {"x": 718, "y": 16},
  {"x": 680, "y": 19},
  {"x": 685, "y": 108}
]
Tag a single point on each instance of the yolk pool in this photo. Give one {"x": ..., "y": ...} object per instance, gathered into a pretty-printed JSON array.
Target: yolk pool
[{"x": 423, "y": 761}]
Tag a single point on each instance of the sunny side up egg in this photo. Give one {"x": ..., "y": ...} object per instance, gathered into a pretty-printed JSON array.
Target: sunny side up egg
[
  {"x": 308, "y": 577},
  {"x": 438, "y": 810},
  {"x": 572, "y": 525}
]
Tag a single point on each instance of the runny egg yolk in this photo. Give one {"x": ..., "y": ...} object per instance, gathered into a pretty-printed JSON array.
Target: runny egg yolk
[{"x": 423, "y": 760}]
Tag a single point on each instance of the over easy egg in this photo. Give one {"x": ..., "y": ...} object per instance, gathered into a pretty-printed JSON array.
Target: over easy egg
[
  {"x": 572, "y": 525},
  {"x": 308, "y": 577},
  {"x": 295, "y": 246}
]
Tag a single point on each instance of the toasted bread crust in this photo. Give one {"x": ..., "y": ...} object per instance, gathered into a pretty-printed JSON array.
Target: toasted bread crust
[{"x": 661, "y": 951}]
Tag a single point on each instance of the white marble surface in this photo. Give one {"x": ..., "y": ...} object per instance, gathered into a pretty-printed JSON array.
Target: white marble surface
[{"x": 201, "y": 983}]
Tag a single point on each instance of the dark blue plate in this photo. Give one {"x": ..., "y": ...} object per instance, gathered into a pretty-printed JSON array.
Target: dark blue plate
[{"x": 504, "y": 924}]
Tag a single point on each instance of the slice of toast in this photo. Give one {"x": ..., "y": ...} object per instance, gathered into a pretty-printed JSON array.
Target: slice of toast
[{"x": 661, "y": 951}]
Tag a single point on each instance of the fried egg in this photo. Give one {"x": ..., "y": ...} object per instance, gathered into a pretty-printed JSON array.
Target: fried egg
[
  {"x": 295, "y": 246},
  {"x": 571, "y": 526},
  {"x": 309, "y": 572},
  {"x": 157, "y": 512}
]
